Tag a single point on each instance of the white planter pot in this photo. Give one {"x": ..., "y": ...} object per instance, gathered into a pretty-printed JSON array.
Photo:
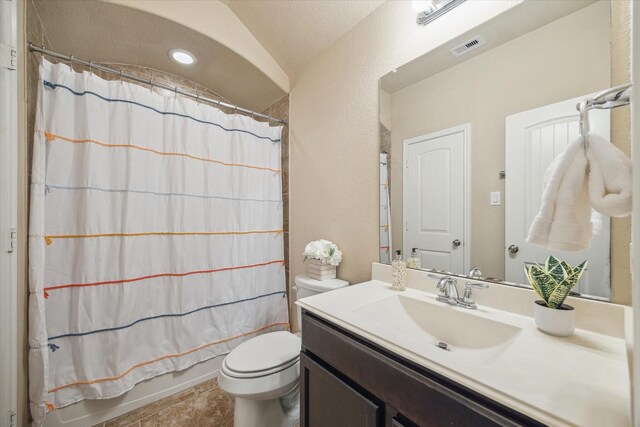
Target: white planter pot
[
  {"x": 559, "y": 322},
  {"x": 318, "y": 270}
]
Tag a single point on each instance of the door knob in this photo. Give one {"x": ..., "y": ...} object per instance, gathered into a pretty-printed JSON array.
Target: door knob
[
  {"x": 456, "y": 242},
  {"x": 513, "y": 249}
]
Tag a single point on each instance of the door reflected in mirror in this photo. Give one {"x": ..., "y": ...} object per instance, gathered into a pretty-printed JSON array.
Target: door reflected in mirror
[
  {"x": 466, "y": 141},
  {"x": 435, "y": 194}
]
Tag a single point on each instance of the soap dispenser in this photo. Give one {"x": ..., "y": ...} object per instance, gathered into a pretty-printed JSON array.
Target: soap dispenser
[
  {"x": 398, "y": 273},
  {"x": 414, "y": 260}
]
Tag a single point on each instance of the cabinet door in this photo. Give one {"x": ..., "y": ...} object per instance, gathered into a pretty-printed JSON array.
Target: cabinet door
[{"x": 327, "y": 401}]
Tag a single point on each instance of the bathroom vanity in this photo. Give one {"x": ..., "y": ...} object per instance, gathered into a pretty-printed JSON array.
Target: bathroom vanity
[
  {"x": 349, "y": 381},
  {"x": 375, "y": 357}
]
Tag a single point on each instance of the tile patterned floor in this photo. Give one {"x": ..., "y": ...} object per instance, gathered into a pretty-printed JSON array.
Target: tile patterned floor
[{"x": 204, "y": 405}]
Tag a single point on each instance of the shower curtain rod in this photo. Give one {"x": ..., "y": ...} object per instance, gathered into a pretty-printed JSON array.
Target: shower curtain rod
[{"x": 91, "y": 65}]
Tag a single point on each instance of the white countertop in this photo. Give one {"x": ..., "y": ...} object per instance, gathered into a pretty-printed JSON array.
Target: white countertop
[{"x": 581, "y": 380}]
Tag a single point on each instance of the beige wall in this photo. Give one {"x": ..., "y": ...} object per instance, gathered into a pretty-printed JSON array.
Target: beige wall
[
  {"x": 545, "y": 66},
  {"x": 335, "y": 130}
]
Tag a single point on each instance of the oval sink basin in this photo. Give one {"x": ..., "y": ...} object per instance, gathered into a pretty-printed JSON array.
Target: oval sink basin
[{"x": 438, "y": 322}]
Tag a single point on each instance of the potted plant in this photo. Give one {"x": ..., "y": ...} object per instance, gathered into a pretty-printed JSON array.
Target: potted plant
[
  {"x": 553, "y": 282},
  {"x": 323, "y": 257}
]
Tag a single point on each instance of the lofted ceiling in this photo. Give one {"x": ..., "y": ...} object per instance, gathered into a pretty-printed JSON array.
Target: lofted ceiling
[
  {"x": 104, "y": 32},
  {"x": 294, "y": 32},
  {"x": 291, "y": 33}
]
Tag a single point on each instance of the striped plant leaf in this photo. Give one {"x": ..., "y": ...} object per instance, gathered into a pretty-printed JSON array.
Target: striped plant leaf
[
  {"x": 557, "y": 297},
  {"x": 551, "y": 262},
  {"x": 545, "y": 284},
  {"x": 567, "y": 268},
  {"x": 527, "y": 272},
  {"x": 579, "y": 269},
  {"x": 555, "y": 268},
  {"x": 561, "y": 292}
]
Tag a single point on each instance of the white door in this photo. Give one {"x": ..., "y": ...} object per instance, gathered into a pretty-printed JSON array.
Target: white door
[
  {"x": 533, "y": 139},
  {"x": 434, "y": 199}
]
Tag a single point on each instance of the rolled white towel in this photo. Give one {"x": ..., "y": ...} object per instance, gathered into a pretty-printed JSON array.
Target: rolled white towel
[
  {"x": 609, "y": 178},
  {"x": 564, "y": 220}
]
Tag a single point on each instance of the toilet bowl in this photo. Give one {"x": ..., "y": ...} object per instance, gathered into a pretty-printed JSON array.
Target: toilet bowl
[{"x": 262, "y": 373}]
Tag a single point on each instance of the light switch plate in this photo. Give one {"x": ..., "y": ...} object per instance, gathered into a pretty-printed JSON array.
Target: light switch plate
[{"x": 494, "y": 199}]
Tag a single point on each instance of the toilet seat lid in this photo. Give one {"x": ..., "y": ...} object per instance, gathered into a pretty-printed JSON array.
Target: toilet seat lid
[{"x": 264, "y": 352}]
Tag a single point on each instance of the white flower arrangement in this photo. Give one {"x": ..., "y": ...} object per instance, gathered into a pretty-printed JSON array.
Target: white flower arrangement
[{"x": 323, "y": 250}]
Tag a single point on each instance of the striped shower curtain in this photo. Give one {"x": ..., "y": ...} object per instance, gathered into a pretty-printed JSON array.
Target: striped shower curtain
[
  {"x": 385, "y": 211},
  {"x": 155, "y": 236}
]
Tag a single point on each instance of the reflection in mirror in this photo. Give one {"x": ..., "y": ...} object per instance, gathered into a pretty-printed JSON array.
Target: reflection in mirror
[{"x": 469, "y": 130}]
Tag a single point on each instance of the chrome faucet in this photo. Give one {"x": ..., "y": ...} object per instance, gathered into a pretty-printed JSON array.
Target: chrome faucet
[
  {"x": 445, "y": 286},
  {"x": 448, "y": 292},
  {"x": 475, "y": 273}
]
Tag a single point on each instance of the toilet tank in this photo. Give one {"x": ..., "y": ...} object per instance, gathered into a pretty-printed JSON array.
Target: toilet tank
[{"x": 306, "y": 287}]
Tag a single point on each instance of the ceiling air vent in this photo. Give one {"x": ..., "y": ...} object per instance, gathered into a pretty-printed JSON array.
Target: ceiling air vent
[{"x": 467, "y": 46}]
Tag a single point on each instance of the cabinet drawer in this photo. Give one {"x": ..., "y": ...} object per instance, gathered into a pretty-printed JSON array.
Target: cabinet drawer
[
  {"x": 328, "y": 401},
  {"x": 422, "y": 399}
]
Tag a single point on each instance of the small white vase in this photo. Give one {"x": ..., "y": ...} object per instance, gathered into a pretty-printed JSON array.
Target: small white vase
[
  {"x": 318, "y": 270},
  {"x": 560, "y": 322}
]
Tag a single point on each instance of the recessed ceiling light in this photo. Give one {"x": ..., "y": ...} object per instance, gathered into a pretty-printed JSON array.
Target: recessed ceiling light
[{"x": 182, "y": 56}]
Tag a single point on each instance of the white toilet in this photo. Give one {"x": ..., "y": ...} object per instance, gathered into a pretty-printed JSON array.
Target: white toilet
[{"x": 262, "y": 373}]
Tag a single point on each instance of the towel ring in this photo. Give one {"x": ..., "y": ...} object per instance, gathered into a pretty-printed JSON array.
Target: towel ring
[{"x": 584, "y": 124}]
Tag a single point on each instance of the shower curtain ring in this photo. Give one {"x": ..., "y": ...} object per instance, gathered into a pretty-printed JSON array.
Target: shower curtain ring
[
  {"x": 90, "y": 67},
  {"x": 198, "y": 98},
  {"x": 151, "y": 84},
  {"x": 121, "y": 76},
  {"x": 235, "y": 109},
  {"x": 175, "y": 91},
  {"x": 71, "y": 62}
]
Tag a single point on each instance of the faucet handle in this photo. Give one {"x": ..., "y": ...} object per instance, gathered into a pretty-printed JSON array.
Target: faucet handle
[
  {"x": 444, "y": 282},
  {"x": 469, "y": 285},
  {"x": 467, "y": 301}
]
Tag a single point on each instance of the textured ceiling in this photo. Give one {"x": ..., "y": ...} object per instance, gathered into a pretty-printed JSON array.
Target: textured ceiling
[
  {"x": 103, "y": 32},
  {"x": 295, "y": 32}
]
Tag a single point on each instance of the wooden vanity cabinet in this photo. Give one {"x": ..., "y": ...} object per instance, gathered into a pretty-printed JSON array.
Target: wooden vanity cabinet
[{"x": 347, "y": 381}]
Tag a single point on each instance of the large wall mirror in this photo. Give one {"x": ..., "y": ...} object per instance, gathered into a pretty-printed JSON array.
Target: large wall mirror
[{"x": 469, "y": 129}]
